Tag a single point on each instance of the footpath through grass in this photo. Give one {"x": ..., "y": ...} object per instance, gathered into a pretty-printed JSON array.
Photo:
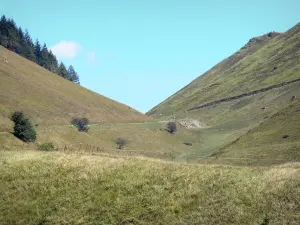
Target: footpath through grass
[{"x": 57, "y": 188}]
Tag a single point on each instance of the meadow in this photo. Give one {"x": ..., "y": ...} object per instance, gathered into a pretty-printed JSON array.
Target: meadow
[{"x": 67, "y": 188}]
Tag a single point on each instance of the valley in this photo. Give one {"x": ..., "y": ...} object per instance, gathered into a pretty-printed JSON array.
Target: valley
[{"x": 233, "y": 156}]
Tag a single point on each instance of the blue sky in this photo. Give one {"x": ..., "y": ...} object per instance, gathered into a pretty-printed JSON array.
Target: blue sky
[{"x": 140, "y": 52}]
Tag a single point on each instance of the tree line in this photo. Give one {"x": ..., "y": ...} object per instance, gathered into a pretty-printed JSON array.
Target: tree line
[{"x": 15, "y": 39}]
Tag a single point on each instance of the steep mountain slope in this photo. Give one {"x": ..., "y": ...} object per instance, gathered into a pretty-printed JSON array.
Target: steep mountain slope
[
  {"x": 238, "y": 94},
  {"x": 49, "y": 99},
  {"x": 276, "y": 139},
  {"x": 263, "y": 61}
]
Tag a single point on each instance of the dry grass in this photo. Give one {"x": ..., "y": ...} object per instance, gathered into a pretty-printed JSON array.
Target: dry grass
[
  {"x": 56, "y": 188},
  {"x": 49, "y": 99}
]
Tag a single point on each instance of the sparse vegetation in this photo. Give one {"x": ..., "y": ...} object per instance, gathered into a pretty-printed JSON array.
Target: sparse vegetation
[
  {"x": 188, "y": 143},
  {"x": 23, "y": 128},
  {"x": 121, "y": 142},
  {"x": 171, "y": 127},
  {"x": 48, "y": 146},
  {"x": 81, "y": 124}
]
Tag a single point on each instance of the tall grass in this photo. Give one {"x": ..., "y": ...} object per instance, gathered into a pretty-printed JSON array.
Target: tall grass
[{"x": 57, "y": 188}]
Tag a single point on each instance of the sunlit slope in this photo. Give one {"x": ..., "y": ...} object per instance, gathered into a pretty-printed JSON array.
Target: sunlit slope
[
  {"x": 263, "y": 61},
  {"x": 276, "y": 139},
  {"x": 50, "y": 99}
]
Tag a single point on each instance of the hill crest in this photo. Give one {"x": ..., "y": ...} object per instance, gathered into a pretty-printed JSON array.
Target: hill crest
[{"x": 264, "y": 61}]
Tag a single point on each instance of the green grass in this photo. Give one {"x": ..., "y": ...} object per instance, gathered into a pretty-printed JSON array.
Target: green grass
[
  {"x": 56, "y": 188},
  {"x": 265, "y": 141}
]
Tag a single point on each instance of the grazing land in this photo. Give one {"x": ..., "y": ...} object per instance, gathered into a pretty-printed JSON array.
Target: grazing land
[{"x": 58, "y": 188}]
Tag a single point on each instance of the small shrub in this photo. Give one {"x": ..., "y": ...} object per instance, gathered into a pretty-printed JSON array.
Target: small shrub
[
  {"x": 121, "y": 142},
  {"x": 266, "y": 221},
  {"x": 171, "y": 127},
  {"x": 48, "y": 146},
  {"x": 23, "y": 128},
  {"x": 188, "y": 143},
  {"x": 81, "y": 124}
]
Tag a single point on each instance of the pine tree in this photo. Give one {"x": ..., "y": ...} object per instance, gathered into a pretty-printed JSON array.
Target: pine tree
[
  {"x": 73, "y": 75},
  {"x": 27, "y": 38},
  {"x": 20, "y": 45},
  {"x": 44, "y": 60},
  {"x": 3, "y": 32},
  {"x": 21, "y": 35},
  {"x": 3, "y": 26},
  {"x": 13, "y": 36},
  {"x": 29, "y": 47},
  {"x": 62, "y": 71},
  {"x": 37, "y": 51},
  {"x": 53, "y": 62}
]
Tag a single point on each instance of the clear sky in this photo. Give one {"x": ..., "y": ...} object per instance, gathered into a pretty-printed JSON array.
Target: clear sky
[{"x": 139, "y": 52}]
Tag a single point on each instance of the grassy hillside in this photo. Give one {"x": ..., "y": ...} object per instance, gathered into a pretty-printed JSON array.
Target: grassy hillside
[
  {"x": 56, "y": 188},
  {"x": 276, "y": 139},
  {"x": 49, "y": 99},
  {"x": 264, "y": 61}
]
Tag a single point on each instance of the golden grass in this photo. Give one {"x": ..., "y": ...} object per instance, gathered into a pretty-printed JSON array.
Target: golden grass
[
  {"x": 57, "y": 188},
  {"x": 49, "y": 99}
]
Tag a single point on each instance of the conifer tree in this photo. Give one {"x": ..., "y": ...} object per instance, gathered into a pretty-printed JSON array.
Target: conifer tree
[
  {"x": 29, "y": 47},
  {"x": 73, "y": 75},
  {"x": 21, "y": 35},
  {"x": 62, "y": 71},
  {"x": 53, "y": 62},
  {"x": 44, "y": 61},
  {"x": 3, "y": 32},
  {"x": 37, "y": 51}
]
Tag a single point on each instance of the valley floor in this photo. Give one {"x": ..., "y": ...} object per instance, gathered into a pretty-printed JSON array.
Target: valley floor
[{"x": 59, "y": 188}]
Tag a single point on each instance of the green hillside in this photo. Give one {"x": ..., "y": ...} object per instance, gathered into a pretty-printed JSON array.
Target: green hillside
[
  {"x": 237, "y": 95},
  {"x": 263, "y": 61},
  {"x": 273, "y": 141}
]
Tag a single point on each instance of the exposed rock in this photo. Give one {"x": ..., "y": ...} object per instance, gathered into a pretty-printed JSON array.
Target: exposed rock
[{"x": 191, "y": 123}]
